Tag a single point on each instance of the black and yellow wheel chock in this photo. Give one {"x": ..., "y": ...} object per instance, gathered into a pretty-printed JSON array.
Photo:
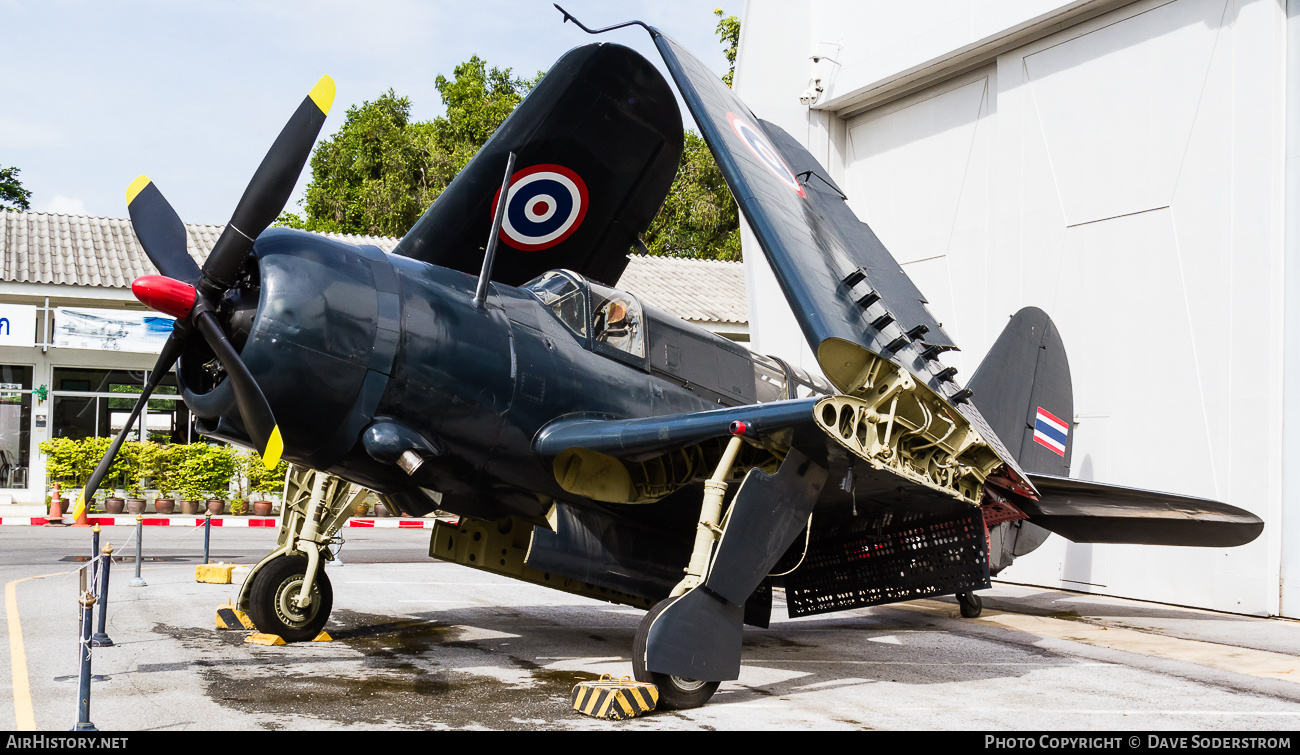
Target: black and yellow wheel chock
[{"x": 614, "y": 699}]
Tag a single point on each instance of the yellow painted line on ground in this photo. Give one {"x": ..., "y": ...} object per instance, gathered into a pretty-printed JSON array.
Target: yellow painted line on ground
[
  {"x": 24, "y": 713},
  {"x": 23, "y": 710},
  {"x": 1261, "y": 663}
]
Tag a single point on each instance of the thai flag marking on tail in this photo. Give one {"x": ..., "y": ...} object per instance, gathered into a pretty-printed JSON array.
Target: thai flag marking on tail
[{"x": 1051, "y": 431}]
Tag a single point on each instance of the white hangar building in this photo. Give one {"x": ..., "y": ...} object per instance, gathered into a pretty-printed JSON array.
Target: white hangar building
[{"x": 1129, "y": 167}]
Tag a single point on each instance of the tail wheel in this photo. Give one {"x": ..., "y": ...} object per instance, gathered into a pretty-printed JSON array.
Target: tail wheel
[
  {"x": 971, "y": 604},
  {"x": 675, "y": 692},
  {"x": 273, "y": 600}
]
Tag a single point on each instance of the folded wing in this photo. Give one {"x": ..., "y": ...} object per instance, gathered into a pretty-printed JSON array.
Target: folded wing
[{"x": 597, "y": 145}]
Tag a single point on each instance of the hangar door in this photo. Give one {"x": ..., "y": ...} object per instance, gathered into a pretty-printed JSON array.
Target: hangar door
[{"x": 1125, "y": 176}]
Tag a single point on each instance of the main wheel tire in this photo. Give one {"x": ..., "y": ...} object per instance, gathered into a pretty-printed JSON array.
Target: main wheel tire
[
  {"x": 971, "y": 604},
  {"x": 675, "y": 692},
  {"x": 273, "y": 600}
]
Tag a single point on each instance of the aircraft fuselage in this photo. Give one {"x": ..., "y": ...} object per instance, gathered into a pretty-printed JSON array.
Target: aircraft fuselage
[{"x": 356, "y": 338}]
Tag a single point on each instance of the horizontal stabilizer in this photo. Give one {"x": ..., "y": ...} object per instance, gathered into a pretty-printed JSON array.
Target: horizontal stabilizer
[{"x": 1093, "y": 512}]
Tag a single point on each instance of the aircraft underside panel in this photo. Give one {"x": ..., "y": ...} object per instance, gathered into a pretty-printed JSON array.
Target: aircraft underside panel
[
  {"x": 602, "y": 549},
  {"x": 888, "y": 557}
]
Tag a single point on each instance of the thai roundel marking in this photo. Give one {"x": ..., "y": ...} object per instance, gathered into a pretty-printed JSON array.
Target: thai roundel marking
[
  {"x": 546, "y": 204},
  {"x": 765, "y": 152}
]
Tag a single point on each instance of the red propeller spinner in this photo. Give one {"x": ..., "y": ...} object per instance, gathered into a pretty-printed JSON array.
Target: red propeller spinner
[{"x": 166, "y": 295}]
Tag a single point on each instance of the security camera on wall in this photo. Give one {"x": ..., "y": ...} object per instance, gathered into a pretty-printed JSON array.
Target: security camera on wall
[{"x": 810, "y": 95}]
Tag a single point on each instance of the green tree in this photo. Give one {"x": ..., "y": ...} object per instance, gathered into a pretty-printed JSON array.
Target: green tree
[
  {"x": 379, "y": 172},
  {"x": 478, "y": 100},
  {"x": 699, "y": 217},
  {"x": 372, "y": 176},
  {"x": 729, "y": 34},
  {"x": 259, "y": 478},
  {"x": 12, "y": 194}
]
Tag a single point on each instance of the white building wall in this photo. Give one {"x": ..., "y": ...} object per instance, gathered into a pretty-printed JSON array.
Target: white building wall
[
  {"x": 1123, "y": 169},
  {"x": 44, "y": 359}
]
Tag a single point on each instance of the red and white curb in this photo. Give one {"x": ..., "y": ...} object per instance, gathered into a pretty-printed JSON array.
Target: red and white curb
[{"x": 218, "y": 521}]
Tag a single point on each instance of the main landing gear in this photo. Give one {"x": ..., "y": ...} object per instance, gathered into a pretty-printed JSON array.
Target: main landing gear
[
  {"x": 288, "y": 593},
  {"x": 691, "y": 641}
]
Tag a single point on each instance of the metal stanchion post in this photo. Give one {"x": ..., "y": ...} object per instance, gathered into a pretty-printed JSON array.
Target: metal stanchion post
[
  {"x": 94, "y": 541},
  {"x": 207, "y": 534},
  {"x": 101, "y": 638},
  {"x": 137, "y": 581},
  {"x": 83, "y": 654}
]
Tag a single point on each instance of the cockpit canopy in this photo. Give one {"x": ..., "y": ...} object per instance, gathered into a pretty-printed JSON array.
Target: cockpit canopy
[
  {"x": 617, "y": 325},
  {"x": 615, "y": 319}
]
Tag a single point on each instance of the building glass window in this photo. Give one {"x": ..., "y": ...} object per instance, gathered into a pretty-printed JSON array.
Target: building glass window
[
  {"x": 15, "y": 425},
  {"x": 97, "y": 403}
]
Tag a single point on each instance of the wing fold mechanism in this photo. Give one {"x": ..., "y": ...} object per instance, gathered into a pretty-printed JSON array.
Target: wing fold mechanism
[{"x": 857, "y": 308}]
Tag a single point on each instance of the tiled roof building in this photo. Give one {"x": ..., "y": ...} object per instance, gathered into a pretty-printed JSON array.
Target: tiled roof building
[{"x": 76, "y": 250}]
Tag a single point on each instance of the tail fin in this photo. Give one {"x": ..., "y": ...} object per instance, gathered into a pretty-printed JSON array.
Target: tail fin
[{"x": 1023, "y": 389}]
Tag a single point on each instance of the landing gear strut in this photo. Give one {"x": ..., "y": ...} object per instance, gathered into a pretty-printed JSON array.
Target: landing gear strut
[
  {"x": 971, "y": 604},
  {"x": 287, "y": 593},
  {"x": 692, "y": 639}
]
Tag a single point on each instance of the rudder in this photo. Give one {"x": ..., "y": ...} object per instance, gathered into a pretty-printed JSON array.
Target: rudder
[{"x": 1023, "y": 388}]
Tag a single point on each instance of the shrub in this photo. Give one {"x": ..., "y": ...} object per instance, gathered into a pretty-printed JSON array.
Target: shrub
[
  {"x": 74, "y": 461},
  {"x": 206, "y": 471},
  {"x": 164, "y": 465},
  {"x": 260, "y": 479}
]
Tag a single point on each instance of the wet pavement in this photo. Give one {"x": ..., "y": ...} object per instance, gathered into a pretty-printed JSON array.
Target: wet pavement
[{"x": 420, "y": 644}]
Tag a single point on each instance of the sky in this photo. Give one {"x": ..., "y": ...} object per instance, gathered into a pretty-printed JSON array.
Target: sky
[{"x": 193, "y": 93}]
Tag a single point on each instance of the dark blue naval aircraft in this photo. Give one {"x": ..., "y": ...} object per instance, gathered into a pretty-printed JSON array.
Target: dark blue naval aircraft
[{"x": 590, "y": 442}]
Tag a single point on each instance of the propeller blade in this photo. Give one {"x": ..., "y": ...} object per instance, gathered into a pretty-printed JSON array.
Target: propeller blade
[
  {"x": 160, "y": 230},
  {"x": 270, "y": 187},
  {"x": 256, "y": 412},
  {"x": 171, "y": 351}
]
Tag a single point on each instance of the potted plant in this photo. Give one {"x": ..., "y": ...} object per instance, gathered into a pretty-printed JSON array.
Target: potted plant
[
  {"x": 239, "y": 483},
  {"x": 164, "y": 468},
  {"x": 136, "y": 457},
  {"x": 92, "y": 450},
  {"x": 210, "y": 468},
  {"x": 182, "y": 477},
  {"x": 61, "y": 462},
  {"x": 380, "y": 508},
  {"x": 75, "y": 460},
  {"x": 262, "y": 482}
]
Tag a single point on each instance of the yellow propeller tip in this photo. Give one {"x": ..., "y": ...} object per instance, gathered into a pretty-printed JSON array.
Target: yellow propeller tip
[
  {"x": 136, "y": 187},
  {"x": 274, "y": 447},
  {"x": 323, "y": 94}
]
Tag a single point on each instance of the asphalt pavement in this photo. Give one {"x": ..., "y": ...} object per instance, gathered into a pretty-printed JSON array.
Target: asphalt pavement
[{"x": 421, "y": 644}]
